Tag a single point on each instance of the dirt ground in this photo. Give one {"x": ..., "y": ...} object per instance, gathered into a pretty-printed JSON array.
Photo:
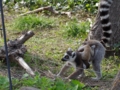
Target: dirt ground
[{"x": 101, "y": 84}]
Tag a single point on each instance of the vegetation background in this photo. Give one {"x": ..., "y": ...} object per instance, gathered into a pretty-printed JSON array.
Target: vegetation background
[{"x": 54, "y": 34}]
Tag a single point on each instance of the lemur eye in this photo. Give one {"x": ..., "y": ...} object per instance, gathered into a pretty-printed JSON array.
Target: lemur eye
[{"x": 67, "y": 57}]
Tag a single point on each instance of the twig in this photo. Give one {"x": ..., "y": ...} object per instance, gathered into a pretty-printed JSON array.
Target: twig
[{"x": 48, "y": 8}]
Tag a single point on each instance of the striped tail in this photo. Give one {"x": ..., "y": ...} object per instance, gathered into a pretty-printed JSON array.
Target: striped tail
[{"x": 105, "y": 21}]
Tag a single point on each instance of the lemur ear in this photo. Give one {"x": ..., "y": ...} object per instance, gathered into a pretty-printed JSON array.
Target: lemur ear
[
  {"x": 73, "y": 54},
  {"x": 69, "y": 49}
]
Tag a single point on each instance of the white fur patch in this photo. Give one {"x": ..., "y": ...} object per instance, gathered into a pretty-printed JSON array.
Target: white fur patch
[
  {"x": 104, "y": 9},
  {"x": 72, "y": 59},
  {"x": 69, "y": 49},
  {"x": 108, "y": 24},
  {"x": 109, "y": 31},
  {"x": 104, "y": 17},
  {"x": 73, "y": 64},
  {"x": 105, "y": 3},
  {"x": 93, "y": 46},
  {"x": 84, "y": 66},
  {"x": 65, "y": 54}
]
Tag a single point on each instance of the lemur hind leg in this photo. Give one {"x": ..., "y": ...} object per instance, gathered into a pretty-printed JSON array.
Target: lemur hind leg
[{"x": 97, "y": 70}]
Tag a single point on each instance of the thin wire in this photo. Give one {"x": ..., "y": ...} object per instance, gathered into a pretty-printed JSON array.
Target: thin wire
[{"x": 6, "y": 50}]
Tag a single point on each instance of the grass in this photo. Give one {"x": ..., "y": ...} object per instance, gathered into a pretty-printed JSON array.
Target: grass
[
  {"x": 53, "y": 36},
  {"x": 4, "y": 83},
  {"x": 42, "y": 83},
  {"x": 76, "y": 29},
  {"x": 31, "y": 21}
]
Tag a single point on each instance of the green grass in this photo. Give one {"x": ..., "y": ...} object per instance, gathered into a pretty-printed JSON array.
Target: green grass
[
  {"x": 4, "y": 83},
  {"x": 42, "y": 83},
  {"x": 76, "y": 29},
  {"x": 31, "y": 21}
]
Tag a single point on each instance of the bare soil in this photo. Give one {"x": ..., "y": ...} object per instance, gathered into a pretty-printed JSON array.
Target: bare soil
[{"x": 101, "y": 84}]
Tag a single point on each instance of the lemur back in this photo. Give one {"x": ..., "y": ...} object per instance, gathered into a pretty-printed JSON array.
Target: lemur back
[
  {"x": 99, "y": 50},
  {"x": 105, "y": 21}
]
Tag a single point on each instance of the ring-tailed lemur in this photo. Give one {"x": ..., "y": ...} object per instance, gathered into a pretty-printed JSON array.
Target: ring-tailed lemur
[{"x": 105, "y": 20}]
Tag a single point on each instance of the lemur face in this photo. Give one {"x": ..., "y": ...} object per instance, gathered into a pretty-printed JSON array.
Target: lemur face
[{"x": 69, "y": 56}]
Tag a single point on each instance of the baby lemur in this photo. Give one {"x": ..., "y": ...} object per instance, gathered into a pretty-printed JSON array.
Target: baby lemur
[{"x": 91, "y": 50}]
